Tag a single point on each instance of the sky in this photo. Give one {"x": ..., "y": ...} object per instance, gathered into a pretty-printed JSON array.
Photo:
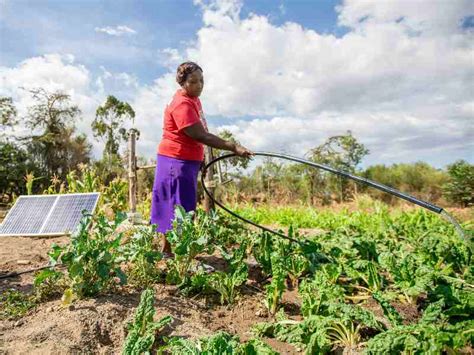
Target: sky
[{"x": 282, "y": 75}]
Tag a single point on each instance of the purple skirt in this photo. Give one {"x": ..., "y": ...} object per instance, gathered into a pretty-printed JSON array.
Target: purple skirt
[{"x": 175, "y": 184}]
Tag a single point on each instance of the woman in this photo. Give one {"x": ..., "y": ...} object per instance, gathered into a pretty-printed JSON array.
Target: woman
[{"x": 181, "y": 151}]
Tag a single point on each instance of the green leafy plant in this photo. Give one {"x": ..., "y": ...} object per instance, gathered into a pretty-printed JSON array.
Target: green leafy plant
[
  {"x": 275, "y": 289},
  {"x": 142, "y": 331},
  {"x": 29, "y": 180},
  {"x": 115, "y": 195},
  {"x": 217, "y": 344},
  {"x": 142, "y": 256},
  {"x": 410, "y": 276},
  {"x": 296, "y": 260},
  {"x": 48, "y": 284},
  {"x": 318, "y": 293},
  {"x": 341, "y": 326},
  {"x": 367, "y": 272},
  {"x": 87, "y": 181},
  {"x": 424, "y": 338},
  {"x": 446, "y": 326},
  {"x": 460, "y": 188},
  {"x": 309, "y": 334},
  {"x": 389, "y": 311},
  {"x": 344, "y": 334},
  {"x": 226, "y": 284},
  {"x": 92, "y": 258},
  {"x": 256, "y": 347},
  {"x": 187, "y": 241},
  {"x": 262, "y": 250},
  {"x": 15, "y": 304}
]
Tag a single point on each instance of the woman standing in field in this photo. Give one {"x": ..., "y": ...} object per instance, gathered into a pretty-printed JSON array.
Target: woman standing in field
[{"x": 181, "y": 151}]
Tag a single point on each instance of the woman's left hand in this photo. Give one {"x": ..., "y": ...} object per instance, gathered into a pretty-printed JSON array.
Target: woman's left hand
[{"x": 242, "y": 151}]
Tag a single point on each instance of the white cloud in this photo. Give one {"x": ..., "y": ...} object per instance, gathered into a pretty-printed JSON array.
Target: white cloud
[
  {"x": 400, "y": 72},
  {"x": 122, "y": 84},
  {"x": 170, "y": 58},
  {"x": 51, "y": 72},
  {"x": 435, "y": 17},
  {"x": 54, "y": 72},
  {"x": 261, "y": 69},
  {"x": 149, "y": 105},
  {"x": 116, "y": 31}
]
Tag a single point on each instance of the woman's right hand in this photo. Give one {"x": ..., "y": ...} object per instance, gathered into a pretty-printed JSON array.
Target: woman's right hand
[{"x": 242, "y": 151}]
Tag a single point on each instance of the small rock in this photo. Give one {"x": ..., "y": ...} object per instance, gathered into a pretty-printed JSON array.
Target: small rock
[
  {"x": 23, "y": 262},
  {"x": 71, "y": 307},
  {"x": 19, "y": 323}
]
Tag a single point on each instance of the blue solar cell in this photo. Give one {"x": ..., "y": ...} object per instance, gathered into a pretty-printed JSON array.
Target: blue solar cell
[
  {"x": 47, "y": 214},
  {"x": 67, "y": 213},
  {"x": 28, "y": 214}
]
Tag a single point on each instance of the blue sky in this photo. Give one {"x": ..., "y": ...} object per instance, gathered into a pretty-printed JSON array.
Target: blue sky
[
  {"x": 32, "y": 28},
  {"x": 281, "y": 75},
  {"x": 69, "y": 27}
]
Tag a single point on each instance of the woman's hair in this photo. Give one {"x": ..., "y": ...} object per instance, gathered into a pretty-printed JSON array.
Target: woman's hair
[{"x": 184, "y": 70}]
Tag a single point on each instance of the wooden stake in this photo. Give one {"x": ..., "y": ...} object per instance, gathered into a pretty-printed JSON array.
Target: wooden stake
[
  {"x": 208, "y": 180},
  {"x": 132, "y": 171}
]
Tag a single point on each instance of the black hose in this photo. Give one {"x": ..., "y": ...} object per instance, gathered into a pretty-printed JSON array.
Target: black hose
[
  {"x": 18, "y": 273},
  {"x": 359, "y": 179}
]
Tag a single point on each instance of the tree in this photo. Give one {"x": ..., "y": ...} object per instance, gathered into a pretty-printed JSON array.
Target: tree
[
  {"x": 56, "y": 149},
  {"x": 14, "y": 165},
  {"x": 77, "y": 149},
  {"x": 460, "y": 188},
  {"x": 342, "y": 152},
  {"x": 8, "y": 112},
  {"x": 108, "y": 124},
  {"x": 225, "y": 165},
  {"x": 418, "y": 179}
]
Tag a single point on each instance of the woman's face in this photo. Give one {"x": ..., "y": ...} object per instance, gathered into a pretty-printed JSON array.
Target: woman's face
[{"x": 194, "y": 83}]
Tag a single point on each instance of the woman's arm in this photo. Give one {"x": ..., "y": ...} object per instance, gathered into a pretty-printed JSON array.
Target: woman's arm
[{"x": 198, "y": 133}]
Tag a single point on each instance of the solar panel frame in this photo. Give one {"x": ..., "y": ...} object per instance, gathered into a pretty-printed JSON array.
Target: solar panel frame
[{"x": 48, "y": 215}]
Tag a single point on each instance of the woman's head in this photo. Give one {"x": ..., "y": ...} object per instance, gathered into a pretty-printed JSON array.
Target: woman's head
[{"x": 189, "y": 76}]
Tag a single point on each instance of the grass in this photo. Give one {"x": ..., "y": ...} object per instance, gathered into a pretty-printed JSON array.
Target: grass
[{"x": 15, "y": 304}]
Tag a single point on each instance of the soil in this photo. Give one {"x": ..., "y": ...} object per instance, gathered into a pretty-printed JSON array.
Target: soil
[
  {"x": 99, "y": 325},
  {"x": 19, "y": 254}
]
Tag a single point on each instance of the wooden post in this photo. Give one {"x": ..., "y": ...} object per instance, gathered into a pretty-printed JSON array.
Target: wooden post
[
  {"x": 132, "y": 171},
  {"x": 208, "y": 180},
  {"x": 219, "y": 172}
]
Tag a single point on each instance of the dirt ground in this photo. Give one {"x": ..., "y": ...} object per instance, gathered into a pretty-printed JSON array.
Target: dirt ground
[
  {"x": 99, "y": 325},
  {"x": 19, "y": 254}
]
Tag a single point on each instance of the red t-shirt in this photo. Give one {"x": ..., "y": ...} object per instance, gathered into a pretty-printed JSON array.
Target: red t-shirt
[{"x": 183, "y": 111}]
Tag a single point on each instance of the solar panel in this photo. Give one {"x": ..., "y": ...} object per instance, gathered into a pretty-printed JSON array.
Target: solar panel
[{"x": 37, "y": 215}]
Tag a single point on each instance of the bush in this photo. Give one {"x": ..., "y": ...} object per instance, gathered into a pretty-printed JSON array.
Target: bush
[
  {"x": 460, "y": 188},
  {"x": 418, "y": 179}
]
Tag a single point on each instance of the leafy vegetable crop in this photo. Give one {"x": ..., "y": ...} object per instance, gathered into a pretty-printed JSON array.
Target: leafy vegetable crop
[{"x": 142, "y": 332}]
